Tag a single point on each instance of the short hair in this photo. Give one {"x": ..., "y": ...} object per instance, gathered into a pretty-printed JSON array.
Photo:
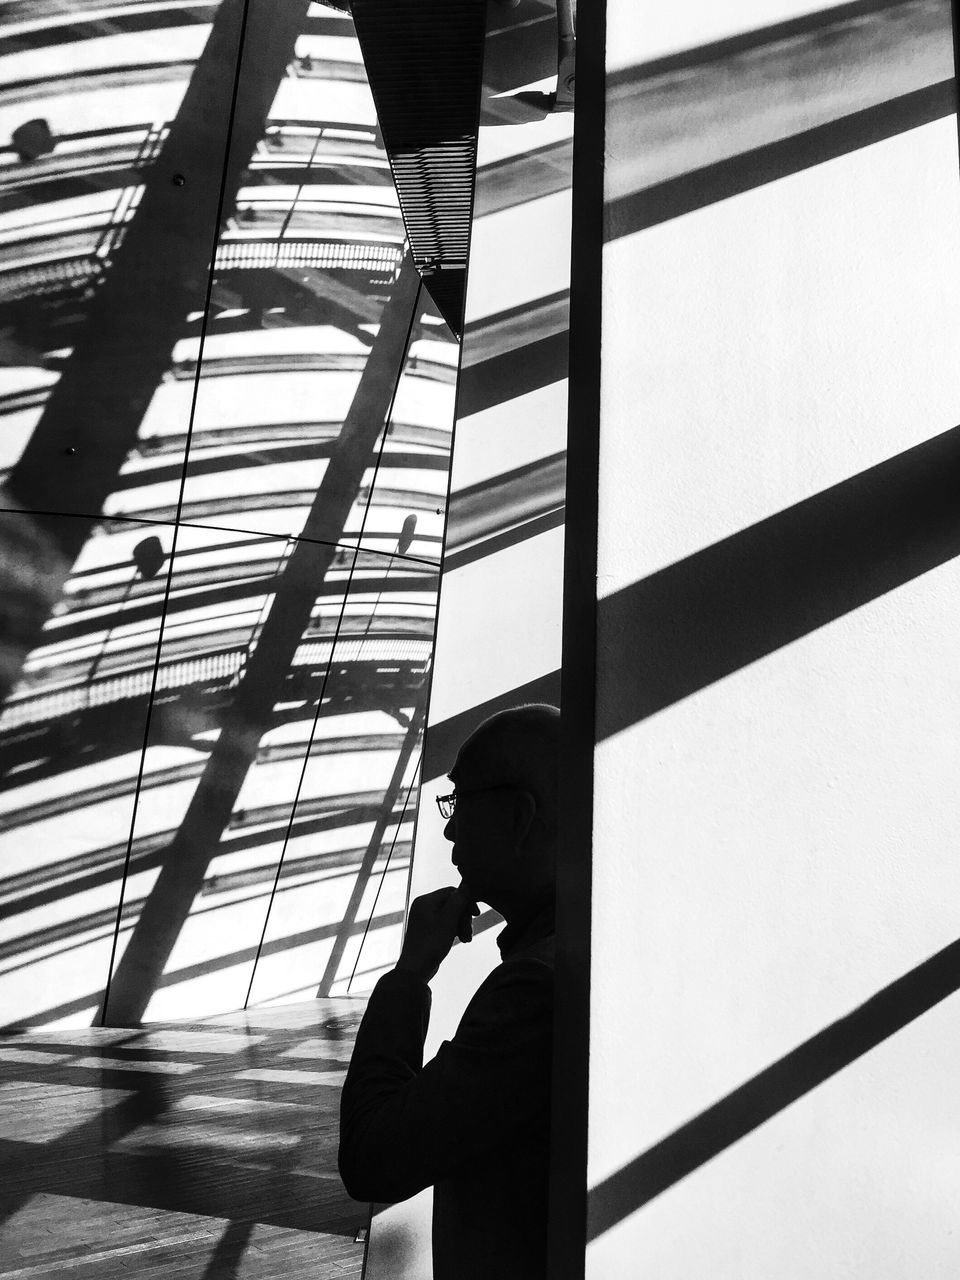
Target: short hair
[{"x": 526, "y": 739}]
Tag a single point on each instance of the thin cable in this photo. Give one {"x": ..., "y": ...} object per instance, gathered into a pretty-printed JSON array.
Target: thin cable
[
  {"x": 376, "y": 604},
  {"x": 333, "y": 648},
  {"x": 296, "y": 198},
  {"x": 383, "y": 875},
  {"x": 303, "y": 770},
  {"x": 183, "y": 482},
  {"x": 108, "y": 635},
  {"x": 428, "y": 674}
]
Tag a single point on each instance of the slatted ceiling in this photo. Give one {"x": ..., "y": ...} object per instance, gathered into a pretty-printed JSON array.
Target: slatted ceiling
[
  {"x": 424, "y": 62},
  {"x": 423, "y": 200}
]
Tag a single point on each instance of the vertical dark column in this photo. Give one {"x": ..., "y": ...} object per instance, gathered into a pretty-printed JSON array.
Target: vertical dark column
[
  {"x": 568, "y": 1174},
  {"x": 188, "y": 856}
]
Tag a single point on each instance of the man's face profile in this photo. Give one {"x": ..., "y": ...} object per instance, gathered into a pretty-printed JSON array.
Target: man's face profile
[
  {"x": 503, "y": 828},
  {"x": 481, "y": 827}
]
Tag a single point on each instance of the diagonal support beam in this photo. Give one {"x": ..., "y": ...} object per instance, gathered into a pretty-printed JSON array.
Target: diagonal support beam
[
  {"x": 189, "y": 854},
  {"x": 159, "y": 273}
]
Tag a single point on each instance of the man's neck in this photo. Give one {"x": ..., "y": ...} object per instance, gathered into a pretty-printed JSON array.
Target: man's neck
[{"x": 534, "y": 915}]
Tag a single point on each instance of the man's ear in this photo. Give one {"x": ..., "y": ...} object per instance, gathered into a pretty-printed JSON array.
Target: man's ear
[{"x": 524, "y": 812}]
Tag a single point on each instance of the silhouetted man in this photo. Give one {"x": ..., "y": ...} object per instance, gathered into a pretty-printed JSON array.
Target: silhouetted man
[{"x": 474, "y": 1121}]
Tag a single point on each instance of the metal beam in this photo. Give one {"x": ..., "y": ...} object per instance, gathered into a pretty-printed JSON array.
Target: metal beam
[
  {"x": 189, "y": 854},
  {"x": 159, "y": 273}
]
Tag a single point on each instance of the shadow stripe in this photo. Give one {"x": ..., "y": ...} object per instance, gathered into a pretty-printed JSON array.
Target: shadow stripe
[
  {"x": 552, "y": 465},
  {"x": 774, "y": 1089},
  {"x": 501, "y": 502},
  {"x": 500, "y": 542},
  {"x": 715, "y": 612},
  {"x": 520, "y": 179},
  {"x": 663, "y": 201},
  {"x": 489, "y": 919},
  {"x": 816, "y": 23},
  {"x": 504, "y": 377},
  {"x": 500, "y": 332}
]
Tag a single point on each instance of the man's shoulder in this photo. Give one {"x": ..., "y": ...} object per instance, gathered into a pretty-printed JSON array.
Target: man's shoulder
[
  {"x": 541, "y": 949},
  {"x": 522, "y": 981},
  {"x": 514, "y": 1000}
]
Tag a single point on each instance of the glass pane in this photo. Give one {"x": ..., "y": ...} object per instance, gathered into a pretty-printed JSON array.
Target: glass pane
[
  {"x": 222, "y": 587},
  {"x": 402, "y": 501},
  {"x": 181, "y": 535},
  {"x": 345, "y": 695},
  {"x": 347, "y": 850},
  {"x": 71, "y": 737},
  {"x": 303, "y": 267},
  {"x": 89, "y": 106}
]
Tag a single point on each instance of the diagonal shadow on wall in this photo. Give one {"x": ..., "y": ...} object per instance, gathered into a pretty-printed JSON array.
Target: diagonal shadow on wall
[
  {"x": 701, "y": 125},
  {"x": 740, "y": 599},
  {"x": 755, "y": 168},
  {"x": 773, "y": 1089}
]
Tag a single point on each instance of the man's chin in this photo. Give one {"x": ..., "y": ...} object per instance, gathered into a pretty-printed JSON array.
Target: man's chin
[{"x": 467, "y": 890}]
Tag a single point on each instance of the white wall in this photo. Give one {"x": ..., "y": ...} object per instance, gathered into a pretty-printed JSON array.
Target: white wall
[{"x": 776, "y": 847}]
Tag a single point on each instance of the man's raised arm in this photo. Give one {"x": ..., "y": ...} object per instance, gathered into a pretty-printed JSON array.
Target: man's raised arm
[{"x": 405, "y": 1126}]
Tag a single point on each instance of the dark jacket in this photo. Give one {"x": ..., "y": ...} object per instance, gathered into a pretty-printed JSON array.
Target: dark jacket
[{"x": 473, "y": 1122}]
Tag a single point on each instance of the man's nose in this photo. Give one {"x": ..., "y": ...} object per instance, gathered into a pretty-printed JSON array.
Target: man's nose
[{"x": 450, "y": 830}]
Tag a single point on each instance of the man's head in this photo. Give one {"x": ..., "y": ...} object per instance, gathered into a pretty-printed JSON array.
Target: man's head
[{"x": 504, "y": 828}]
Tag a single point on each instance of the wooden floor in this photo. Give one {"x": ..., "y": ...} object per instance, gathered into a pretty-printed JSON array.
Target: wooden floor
[{"x": 203, "y": 1150}]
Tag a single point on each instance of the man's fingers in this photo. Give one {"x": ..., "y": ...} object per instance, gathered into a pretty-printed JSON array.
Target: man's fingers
[
  {"x": 465, "y": 923},
  {"x": 448, "y": 908},
  {"x": 435, "y": 903}
]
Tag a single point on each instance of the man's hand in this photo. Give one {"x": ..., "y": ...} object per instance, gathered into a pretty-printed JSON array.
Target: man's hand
[{"x": 436, "y": 920}]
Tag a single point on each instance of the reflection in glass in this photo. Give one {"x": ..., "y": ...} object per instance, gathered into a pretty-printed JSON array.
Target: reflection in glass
[{"x": 116, "y": 710}]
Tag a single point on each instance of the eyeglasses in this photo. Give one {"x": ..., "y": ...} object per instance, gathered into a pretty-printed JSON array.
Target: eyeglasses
[{"x": 448, "y": 804}]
